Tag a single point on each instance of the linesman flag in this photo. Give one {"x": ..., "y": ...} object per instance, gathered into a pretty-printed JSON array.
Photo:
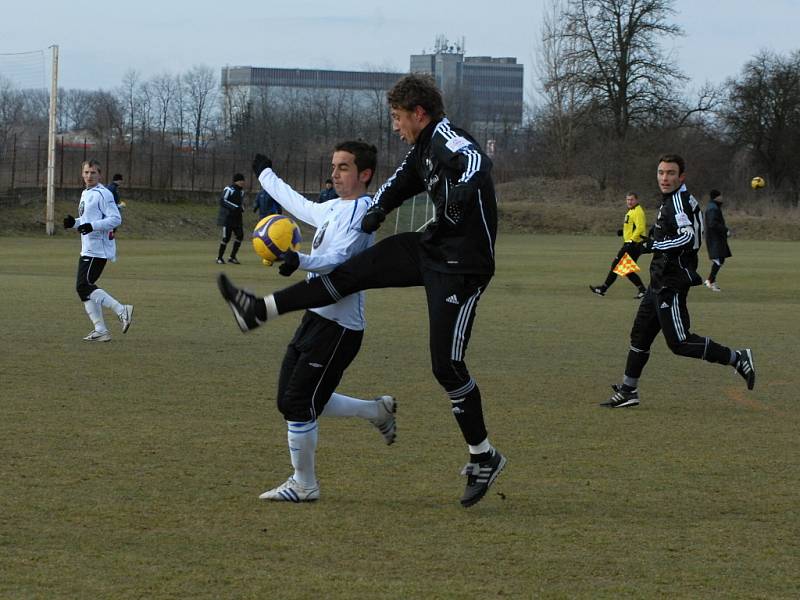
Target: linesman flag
[{"x": 626, "y": 266}]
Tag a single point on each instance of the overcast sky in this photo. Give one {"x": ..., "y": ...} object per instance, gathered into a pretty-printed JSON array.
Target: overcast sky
[{"x": 100, "y": 41}]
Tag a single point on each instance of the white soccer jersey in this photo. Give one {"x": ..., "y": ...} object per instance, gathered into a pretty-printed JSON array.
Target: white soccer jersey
[
  {"x": 97, "y": 207},
  {"x": 338, "y": 237}
]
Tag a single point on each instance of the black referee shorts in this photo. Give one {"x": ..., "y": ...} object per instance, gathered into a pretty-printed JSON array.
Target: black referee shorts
[
  {"x": 89, "y": 270},
  {"x": 313, "y": 366}
]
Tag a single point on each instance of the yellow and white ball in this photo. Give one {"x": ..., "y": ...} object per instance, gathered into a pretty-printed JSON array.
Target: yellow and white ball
[
  {"x": 757, "y": 183},
  {"x": 273, "y": 236}
]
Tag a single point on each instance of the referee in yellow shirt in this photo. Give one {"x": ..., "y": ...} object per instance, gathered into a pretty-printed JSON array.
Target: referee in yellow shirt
[{"x": 633, "y": 233}]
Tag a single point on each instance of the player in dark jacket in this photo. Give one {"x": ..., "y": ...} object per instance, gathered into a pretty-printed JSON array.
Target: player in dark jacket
[
  {"x": 453, "y": 259},
  {"x": 231, "y": 206},
  {"x": 674, "y": 243},
  {"x": 716, "y": 238}
]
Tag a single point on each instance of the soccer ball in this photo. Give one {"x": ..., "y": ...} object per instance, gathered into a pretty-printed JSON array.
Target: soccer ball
[
  {"x": 757, "y": 183},
  {"x": 273, "y": 236}
]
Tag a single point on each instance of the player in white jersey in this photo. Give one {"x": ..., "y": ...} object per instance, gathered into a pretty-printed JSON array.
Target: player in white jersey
[
  {"x": 328, "y": 338},
  {"x": 98, "y": 216}
]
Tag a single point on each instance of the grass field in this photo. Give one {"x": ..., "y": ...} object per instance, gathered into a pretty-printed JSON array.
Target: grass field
[{"x": 132, "y": 469}]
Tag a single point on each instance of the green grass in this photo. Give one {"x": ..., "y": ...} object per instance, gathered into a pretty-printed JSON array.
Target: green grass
[{"x": 132, "y": 469}]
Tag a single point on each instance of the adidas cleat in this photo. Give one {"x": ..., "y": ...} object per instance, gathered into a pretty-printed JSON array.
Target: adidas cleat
[
  {"x": 242, "y": 303},
  {"x": 621, "y": 398},
  {"x": 480, "y": 476},
  {"x": 386, "y": 422},
  {"x": 291, "y": 491},
  {"x": 746, "y": 367}
]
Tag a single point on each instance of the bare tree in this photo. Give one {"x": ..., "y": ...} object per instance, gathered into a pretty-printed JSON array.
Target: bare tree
[
  {"x": 616, "y": 59},
  {"x": 201, "y": 92},
  {"x": 763, "y": 114},
  {"x": 164, "y": 88},
  {"x": 128, "y": 96}
]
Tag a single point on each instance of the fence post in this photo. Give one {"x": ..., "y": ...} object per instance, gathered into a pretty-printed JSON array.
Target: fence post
[
  {"x": 61, "y": 164},
  {"x": 84, "y": 150},
  {"x": 38, "y": 162},
  {"x": 152, "y": 150},
  {"x": 13, "y": 161},
  {"x": 130, "y": 163},
  {"x": 213, "y": 169},
  {"x": 192, "y": 178},
  {"x": 305, "y": 166},
  {"x": 171, "y": 165}
]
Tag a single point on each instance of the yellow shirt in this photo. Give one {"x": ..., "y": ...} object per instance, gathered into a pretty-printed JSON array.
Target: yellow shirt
[{"x": 635, "y": 226}]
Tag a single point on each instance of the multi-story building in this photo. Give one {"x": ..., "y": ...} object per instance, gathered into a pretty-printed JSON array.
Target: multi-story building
[{"x": 480, "y": 91}]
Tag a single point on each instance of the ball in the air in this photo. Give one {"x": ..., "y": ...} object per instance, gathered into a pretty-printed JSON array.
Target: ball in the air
[
  {"x": 273, "y": 236},
  {"x": 757, "y": 183}
]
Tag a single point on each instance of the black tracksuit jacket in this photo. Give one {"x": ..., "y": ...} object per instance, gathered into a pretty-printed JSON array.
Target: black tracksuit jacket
[
  {"x": 442, "y": 157},
  {"x": 677, "y": 237}
]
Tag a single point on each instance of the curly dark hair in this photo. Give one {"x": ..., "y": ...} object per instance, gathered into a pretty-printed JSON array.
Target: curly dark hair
[{"x": 417, "y": 89}]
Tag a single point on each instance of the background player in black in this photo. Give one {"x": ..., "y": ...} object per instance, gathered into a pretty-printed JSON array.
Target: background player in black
[
  {"x": 453, "y": 259},
  {"x": 717, "y": 233},
  {"x": 675, "y": 242},
  {"x": 231, "y": 206}
]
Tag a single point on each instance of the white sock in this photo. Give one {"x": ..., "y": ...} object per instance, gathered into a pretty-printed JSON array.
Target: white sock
[
  {"x": 272, "y": 308},
  {"x": 340, "y": 405},
  {"x": 484, "y": 446},
  {"x": 103, "y": 298},
  {"x": 95, "y": 312},
  {"x": 302, "y": 450}
]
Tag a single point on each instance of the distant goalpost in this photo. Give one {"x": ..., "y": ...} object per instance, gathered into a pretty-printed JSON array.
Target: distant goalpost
[{"x": 26, "y": 70}]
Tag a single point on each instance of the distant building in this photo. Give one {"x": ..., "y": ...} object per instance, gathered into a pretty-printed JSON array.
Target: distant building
[
  {"x": 480, "y": 91},
  {"x": 483, "y": 91}
]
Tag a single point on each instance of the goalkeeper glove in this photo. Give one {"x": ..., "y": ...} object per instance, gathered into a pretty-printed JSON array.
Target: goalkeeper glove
[
  {"x": 647, "y": 245},
  {"x": 291, "y": 261},
  {"x": 261, "y": 162},
  {"x": 85, "y": 228},
  {"x": 69, "y": 222},
  {"x": 373, "y": 218}
]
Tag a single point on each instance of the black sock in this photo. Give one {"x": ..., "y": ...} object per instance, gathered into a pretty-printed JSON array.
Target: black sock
[
  {"x": 627, "y": 388},
  {"x": 261, "y": 309}
]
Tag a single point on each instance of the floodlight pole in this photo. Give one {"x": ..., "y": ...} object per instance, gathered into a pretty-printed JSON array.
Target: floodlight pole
[{"x": 51, "y": 146}]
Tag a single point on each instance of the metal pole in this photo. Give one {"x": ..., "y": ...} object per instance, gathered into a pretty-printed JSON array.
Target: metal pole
[{"x": 51, "y": 147}]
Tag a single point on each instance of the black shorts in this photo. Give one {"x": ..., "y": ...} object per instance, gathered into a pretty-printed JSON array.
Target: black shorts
[
  {"x": 313, "y": 366},
  {"x": 89, "y": 270}
]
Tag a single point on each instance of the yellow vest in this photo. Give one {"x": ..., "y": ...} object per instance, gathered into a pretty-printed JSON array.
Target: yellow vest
[{"x": 635, "y": 226}]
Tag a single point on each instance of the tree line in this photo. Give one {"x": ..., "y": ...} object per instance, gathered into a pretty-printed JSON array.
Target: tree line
[{"x": 608, "y": 99}]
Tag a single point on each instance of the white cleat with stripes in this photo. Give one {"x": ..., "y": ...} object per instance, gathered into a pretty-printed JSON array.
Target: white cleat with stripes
[
  {"x": 291, "y": 491},
  {"x": 386, "y": 422}
]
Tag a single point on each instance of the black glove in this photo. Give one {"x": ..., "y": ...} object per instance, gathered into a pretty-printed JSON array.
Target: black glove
[
  {"x": 261, "y": 162},
  {"x": 69, "y": 222},
  {"x": 85, "y": 228},
  {"x": 458, "y": 201},
  {"x": 373, "y": 218},
  {"x": 619, "y": 232},
  {"x": 291, "y": 260},
  {"x": 647, "y": 245}
]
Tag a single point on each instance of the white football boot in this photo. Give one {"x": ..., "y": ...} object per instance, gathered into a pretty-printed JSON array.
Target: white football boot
[
  {"x": 291, "y": 491},
  {"x": 386, "y": 421},
  {"x": 98, "y": 336}
]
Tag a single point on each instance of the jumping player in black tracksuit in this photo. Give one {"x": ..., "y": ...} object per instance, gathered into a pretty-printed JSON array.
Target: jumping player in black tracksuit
[
  {"x": 453, "y": 258},
  {"x": 676, "y": 239}
]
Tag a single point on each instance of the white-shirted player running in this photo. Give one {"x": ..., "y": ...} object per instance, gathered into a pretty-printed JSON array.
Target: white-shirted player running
[
  {"x": 328, "y": 338},
  {"x": 98, "y": 216}
]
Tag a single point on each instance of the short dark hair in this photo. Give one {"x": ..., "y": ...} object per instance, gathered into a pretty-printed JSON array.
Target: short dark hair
[
  {"x": 365, "y": 155},
  {"x": 634, "y": 194},
  {"x": 117, "y": 177},
  {"x": 238, "y": 177},
  {"x": 417, "y": 89},
  {"x": 329, "y": 180},
  {"x": 92, "y": 162},
  {"x": 715, "y": 194},
  {"x": 674, "y": 158}
]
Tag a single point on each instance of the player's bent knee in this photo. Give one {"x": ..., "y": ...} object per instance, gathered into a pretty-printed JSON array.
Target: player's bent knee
[{"x": 84, "y": 290}]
